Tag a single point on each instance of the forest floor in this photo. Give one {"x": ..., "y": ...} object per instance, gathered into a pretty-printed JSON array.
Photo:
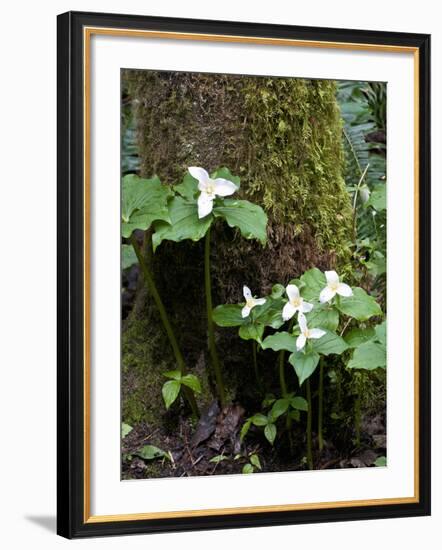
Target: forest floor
[{"x": 213, "y": 447}]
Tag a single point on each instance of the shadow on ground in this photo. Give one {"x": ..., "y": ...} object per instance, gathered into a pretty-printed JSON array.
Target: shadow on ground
[{"x": 49, "y": 523}]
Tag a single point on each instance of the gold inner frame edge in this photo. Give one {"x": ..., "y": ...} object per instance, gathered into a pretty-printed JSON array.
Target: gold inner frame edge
[{"x": 87, "y": 34}]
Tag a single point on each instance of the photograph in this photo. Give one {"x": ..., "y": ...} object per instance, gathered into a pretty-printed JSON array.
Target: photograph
[{"x": 253, "y": 274}]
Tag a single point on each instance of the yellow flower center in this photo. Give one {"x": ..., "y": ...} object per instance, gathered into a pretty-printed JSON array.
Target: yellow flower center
[
  {"x": 334, "y": 286},
  {"x": 296, "y": 302},
  {"x": 250, "y": 302},
  {"x": 210, "y": 188}
]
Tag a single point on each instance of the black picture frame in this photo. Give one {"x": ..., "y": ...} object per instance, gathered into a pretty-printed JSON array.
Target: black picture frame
[{"x": 72, "y": 520}]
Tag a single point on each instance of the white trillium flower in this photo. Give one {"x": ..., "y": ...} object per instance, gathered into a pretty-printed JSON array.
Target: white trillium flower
[
  {"x": 295, "y": 303},
  {"x": 306, "y": 333},
  {"x": 209, "y": 189},
  {"x": 251, "y": 302},
  {"x": 334, "y": 287}
]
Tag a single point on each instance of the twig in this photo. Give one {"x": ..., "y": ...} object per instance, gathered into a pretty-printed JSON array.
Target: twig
[
  {"x": 345, "y": 326},
  {"x": 355, "y": 198}
]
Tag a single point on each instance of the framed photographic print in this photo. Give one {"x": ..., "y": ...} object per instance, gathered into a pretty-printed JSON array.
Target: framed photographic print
[{"x": 243, "y": 210}]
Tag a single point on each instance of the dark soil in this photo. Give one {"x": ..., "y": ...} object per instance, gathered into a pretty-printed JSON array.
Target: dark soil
[{"x": 192, "y": 447}]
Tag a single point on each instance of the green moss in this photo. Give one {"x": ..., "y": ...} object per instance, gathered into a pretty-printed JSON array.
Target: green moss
[
  {"x": 282, "y": 135},
  {"x": 142, "y": 369},
  {"x": 296, "y": 158},
  {"x": 146, "y": 355}
]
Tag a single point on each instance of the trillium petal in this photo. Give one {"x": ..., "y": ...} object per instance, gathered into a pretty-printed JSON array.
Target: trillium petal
[
  {"x": 344, "y": 290},
  {"x": 332, "y": 277},
  {"x": 302, "y": 321},
  {"x": 306, "y": 307},
  {"x": 288, "y": 311},
  {"x": 199, "y": 174},
  {"x": 292, "y": 291},
  {"x": 205, "y": 205},
  {"x": 300, "y": 342},
  {"x": 316, "y": 333},
  {"x": 260, "y": 301},
  {"x": 326, "y": 294},
  {"x": 224, "y": 188},
  {"x": 247, "y": 293},
  {"x": 245, "y": 312}
]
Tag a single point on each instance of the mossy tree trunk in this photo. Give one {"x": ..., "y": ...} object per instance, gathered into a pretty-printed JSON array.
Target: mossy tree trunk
[{"x": 282, "y": 136}]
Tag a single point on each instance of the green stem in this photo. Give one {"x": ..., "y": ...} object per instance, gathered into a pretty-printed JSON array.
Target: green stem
[
  {"x": 282, "y": 381},
  {"x": 281, "y": 362},
  {"x": 358, "y": 420},
  {"x": 255, "y": 365},
  {"x": 150, "y": 283},
  {"x": 320, "y": 404},
  {"x": 355, "y": 199},
  {"x": 210, "y": 324},
  {"x": 309, "y": 425}
]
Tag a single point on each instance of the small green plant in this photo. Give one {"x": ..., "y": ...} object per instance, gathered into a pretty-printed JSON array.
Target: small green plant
[
  {"x": 253, "y": 465},
  {"x": 199, "y": 201},
  {"x": 125, "y": 430},
  {"x": 331, "y": 321},
  {"x": 150, "y": 452},
  {"x": 172, "y": 388},
  {"x": 144, "y": 201}
]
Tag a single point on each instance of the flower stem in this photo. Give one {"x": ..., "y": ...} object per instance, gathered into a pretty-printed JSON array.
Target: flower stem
[
  {"x": 150, "y": 283},
  {"x": 320, "y": 403},
  {"x": 309, "y": 425},
  {"x": 210, "y": 326},
  {"x": 357, "y": 408},
  {"x": 255, "y": 365},
  {"x": 282, "y": 381},
  {"x": 281, "y": 362},
  {"x": 358, "y": 420}
]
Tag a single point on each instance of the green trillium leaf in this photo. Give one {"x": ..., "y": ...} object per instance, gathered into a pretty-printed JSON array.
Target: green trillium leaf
[
  {"x": 173, "y": 374},
  {"x": 313, "y": 282},
  {"x": 128, "y": 256},
  {"x": 304, "y": 363},
  {"x": 269, "y": 314},
  {"x": 184, "y": 223},
  {"x": 380, "y": 461},
  {"x": 378, "y": 198},
  {"x": 280, "y": 341},
  {"x": 251, "y": 331},
  {"x": 245, "y": 428},
  {"x": 280, "y": 406},
  {"x": 254, "y": 459},
  {"x": 357, "y": 336},
  {"x": 277, "y": 291},
  {"x": 270, "y": 433},
  {"x": 188, "y": 188},
  {"x": 247, "y": 469},
  {"x": 259, "y": 420},
  {"x": 329, "y": 343},
  {"x": 228, "y": 315},
  {"x": 360, "y": 306},
  {"x": 226, "y": 174},
  {"x": 170, "y": 391},
  {"x": 299, "y": 403},
  {"x": 149, "y": 452},
  {"x": 249, "y": 218},
  {"x": 143, "y": 202},
  {"x": 368, "y": 356},
  {"x": 324, "y": 317},
  {"x": 125, "y": 430},
  {"x": 192, "y": 382},
  {"x": 381, "y": 333}
]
